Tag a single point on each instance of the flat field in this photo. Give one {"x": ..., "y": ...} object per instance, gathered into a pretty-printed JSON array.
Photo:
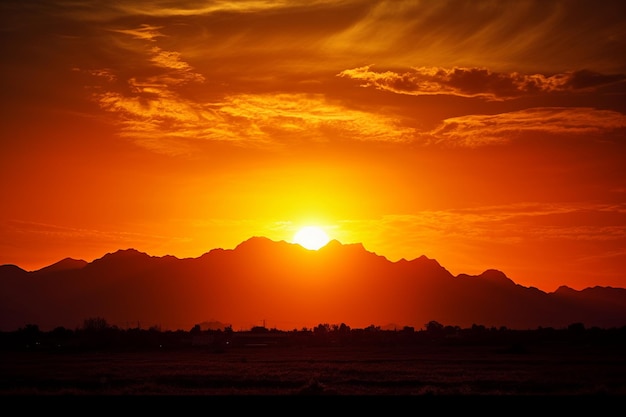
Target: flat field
[{"x": 542, "y": 370}]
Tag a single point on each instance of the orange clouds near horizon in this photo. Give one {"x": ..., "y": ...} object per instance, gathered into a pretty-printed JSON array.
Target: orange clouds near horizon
[{"x": 487, "y": 138}]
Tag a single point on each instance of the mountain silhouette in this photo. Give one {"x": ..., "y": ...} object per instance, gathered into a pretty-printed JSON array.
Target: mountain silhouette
[{"x": 288, "y": 287}]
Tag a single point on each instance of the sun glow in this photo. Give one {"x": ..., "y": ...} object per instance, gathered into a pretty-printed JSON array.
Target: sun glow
[{"x": 311, "y": 237}]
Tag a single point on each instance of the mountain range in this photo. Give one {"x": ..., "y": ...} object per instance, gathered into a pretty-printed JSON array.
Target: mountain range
[{"x": 285, "y": 286}]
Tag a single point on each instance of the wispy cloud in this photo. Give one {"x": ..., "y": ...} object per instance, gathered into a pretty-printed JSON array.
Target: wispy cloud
[
  {"x": 478, "y": 130},
  {"x": 59, "y": 232},
  {"x": 153, "y": 110},
  {"x": 513, "y": 34},
  {"x": 164, "y": 8},
  {"x": 278, "y": 117},
  {"x": 99, "y": 10},
  {"x": 150, "y": 109},
  {"x": 478, "y": 82},
  {"x": 144, "y": 32},
  {"x": 434, "y": 231}
]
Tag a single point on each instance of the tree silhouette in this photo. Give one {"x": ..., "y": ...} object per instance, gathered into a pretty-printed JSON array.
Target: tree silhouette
[
  {"x": 434, "y": 327},
  {"x": 95, "y": 324}
]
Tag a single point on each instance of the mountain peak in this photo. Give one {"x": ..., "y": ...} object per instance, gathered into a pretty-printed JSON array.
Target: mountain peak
[
  {"x": 11, "y": 269},
  {"x": 564, "y": 289},
  {"x": 490, "y": 275},
  {"x": 254, "y": 241},
  {"x": 334, "y": 243},
  {"x": 129, "y": 251},
  {"x": 122, "y": 256},
  {"x": 495, "y": 275},
  {"x": 65, "y": 264}
]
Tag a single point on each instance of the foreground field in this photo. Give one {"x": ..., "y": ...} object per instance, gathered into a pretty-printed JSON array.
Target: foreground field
[{"x": 390, "y": 371}]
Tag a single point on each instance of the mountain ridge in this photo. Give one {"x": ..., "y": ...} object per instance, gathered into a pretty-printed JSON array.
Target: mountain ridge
[{"x": 292, "y": 286}]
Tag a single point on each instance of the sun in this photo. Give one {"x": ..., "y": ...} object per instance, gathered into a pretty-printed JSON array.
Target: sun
[{"x": 311, "y": 237}]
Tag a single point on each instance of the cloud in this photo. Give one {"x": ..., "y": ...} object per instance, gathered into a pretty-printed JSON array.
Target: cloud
[
  {"x": 478, "y": 82},
  {"x": 162, "y": 121},
  {"x": 553, "y": 35},
  {"x": 144, "y": 32},
  {"x": 277, "y": 117},
  {"x": 164, "y": 103},
  {"x": 502, "y": 224},
  {"x": 150, "y": 109},
  {"x": 477, "y": 130},
  {"x": 58, "y": 232},
  {"x": 157, "y": 112},
  {"x": 165, "y": 8},
  {"x": 101, "y": 10}
]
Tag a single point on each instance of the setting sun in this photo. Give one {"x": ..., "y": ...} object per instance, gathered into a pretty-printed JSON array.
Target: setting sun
[{"x": 311, "y": 237}]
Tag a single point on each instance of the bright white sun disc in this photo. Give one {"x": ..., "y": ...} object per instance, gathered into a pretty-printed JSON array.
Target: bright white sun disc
[{"x": 311, "y": 237}]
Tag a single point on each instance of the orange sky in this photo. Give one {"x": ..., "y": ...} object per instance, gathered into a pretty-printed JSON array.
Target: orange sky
[{"x": 481, "y": 134}]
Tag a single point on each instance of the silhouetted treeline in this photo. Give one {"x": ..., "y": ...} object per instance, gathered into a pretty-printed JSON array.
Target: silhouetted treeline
[{"x": 97, "y": 334}]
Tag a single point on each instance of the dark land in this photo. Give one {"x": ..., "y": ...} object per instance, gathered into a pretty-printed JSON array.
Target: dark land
[
  {"x": 440, "y": 361},
  {"x": 507, "y": 341}
]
